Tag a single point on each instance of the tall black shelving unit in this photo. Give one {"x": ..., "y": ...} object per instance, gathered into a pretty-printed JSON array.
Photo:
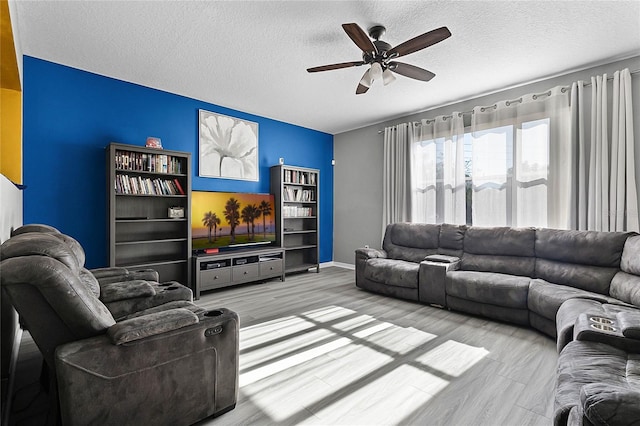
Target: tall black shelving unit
[{"x": 146, "y": 189}]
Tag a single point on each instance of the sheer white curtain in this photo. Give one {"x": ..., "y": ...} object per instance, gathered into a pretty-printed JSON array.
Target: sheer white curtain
[
  {"x": 437, "y": 170},
  {"x": 606, "y": 193},
  {"x": 522, "y": 162},
  {"x": 396, "y": 177}
]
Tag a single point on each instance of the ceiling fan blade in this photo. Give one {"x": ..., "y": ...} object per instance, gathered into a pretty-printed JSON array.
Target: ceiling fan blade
[
  {"x": 361, "y": 89},
  {"x": 420, "y": 42},
  {"x": 335, "y": 66},
  {"x": 359, "y": 37},
  {"x": 411, "y": 71}
]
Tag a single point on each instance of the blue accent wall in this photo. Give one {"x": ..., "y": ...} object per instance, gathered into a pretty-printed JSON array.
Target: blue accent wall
[{"x": 70, "y": 116}]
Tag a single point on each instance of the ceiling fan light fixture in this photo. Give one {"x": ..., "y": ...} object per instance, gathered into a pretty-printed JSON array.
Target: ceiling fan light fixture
[
  {"x": 376, "y": 71},
  {"x": 366, "y": 79},
  {"x": 388, "y": 77}
]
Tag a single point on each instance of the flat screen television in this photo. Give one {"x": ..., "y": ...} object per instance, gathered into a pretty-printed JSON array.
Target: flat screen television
[{"x": 226, "y": 220}]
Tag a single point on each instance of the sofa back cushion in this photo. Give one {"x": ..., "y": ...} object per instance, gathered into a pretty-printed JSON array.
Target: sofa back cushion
[
  {"x": 40, "y": 244},
  {"x": 582, "y": 247},
  {"x": 626, "y": 283},
  {"x": 499, "y": 249},
  {"x": 626, "y": 287},
  {"x": 580, "y": 259},
  {"x": 452, "y": 239},
  {"x": 630, "y": 262},
  {"x": 411, "y": 241}
]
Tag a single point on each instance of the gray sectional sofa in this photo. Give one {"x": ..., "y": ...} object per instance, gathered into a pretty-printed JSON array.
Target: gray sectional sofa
[{"x": 547, "y": 279}]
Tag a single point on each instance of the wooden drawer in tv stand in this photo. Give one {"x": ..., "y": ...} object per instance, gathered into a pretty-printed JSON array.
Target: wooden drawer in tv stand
[{"x": 213, "y": 271}]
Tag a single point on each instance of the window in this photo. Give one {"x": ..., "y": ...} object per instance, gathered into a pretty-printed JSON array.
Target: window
[{"x": 506, "y": 172}]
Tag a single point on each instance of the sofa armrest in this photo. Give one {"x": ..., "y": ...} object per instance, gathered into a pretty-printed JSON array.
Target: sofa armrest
[
  {"x": 113, "y": 292},
  {"x": 610, "y": 405},
  {"x": 441, "y": 258},
  {"x": 629, "y": 323},
  {"x": 150, "y": 325},
  {"x": 370, "y": 253},
  {"x": 432, "y": 279},
  {"x": 117, "y": 274}
]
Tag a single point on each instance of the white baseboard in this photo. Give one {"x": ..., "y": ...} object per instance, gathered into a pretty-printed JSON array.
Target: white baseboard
[{"x": 338, "y": 264}]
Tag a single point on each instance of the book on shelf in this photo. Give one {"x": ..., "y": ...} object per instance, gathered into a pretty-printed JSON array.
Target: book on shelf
[
  {"x": 143, "y": 162},
  {"x": 301, "y": 178},
  {"x": 295, "y": 211},
  {"x": 177, "y": 182},
  {"x": 292, "y": 193},
  {"x": 138, "y": 185}
]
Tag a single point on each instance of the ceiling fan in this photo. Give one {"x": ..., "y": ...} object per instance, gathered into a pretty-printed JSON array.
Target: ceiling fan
[{"x": 380, "y": 55}]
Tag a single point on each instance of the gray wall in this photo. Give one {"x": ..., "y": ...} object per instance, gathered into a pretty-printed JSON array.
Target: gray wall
[{"x": 358, "y": 154}]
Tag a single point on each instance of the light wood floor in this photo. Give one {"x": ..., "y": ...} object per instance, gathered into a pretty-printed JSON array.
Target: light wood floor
[{"x": 317, "y": 350}]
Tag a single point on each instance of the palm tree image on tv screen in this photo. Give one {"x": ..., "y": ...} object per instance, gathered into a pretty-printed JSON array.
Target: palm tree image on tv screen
[{"x": 225, "y": 219}]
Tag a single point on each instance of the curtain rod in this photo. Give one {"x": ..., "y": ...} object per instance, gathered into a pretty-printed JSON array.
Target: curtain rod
[{"x": 415, "y": 123}]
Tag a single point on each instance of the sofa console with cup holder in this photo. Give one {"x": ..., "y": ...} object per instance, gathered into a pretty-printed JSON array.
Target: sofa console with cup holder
[{"x": 581, "y": 287}]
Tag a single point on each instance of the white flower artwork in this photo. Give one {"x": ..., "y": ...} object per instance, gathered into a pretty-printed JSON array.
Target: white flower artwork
[{"x": 228, "y": 147}]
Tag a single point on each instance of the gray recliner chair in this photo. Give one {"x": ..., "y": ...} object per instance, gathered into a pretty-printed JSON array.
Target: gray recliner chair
[
  {"x": 172, "y": 364},
  {"x": 124, "y": 291}
]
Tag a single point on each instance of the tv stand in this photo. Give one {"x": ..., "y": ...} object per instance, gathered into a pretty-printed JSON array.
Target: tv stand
[{"x": 224, "y": 269}]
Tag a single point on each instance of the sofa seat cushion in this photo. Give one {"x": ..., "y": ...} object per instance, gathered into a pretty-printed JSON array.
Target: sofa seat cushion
[
  {"x": 489, "y": 287},
  {"x": 399, "y": 273},
  {"x": 581, "y": 365},
  {"x": 545, "y": 298},
  {"x": 500, "y": 313}
]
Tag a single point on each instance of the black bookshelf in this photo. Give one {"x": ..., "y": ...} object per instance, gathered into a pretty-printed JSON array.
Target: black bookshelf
[
  {"x": 296, "y": 191},
  {"x": 147, "y": 188}
]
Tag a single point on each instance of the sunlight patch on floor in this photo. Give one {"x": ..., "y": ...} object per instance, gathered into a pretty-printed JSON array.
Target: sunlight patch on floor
[
  {"x": 327, "y": 314},
  {"x": 283, "y": 399},
  {"x": 304, "y": 386},
  {"x": 291, "y": 361},
  {"x": 359, "y": 369},
  {"x": 453, "y": 358},
  {"x": 372, "y": 330},
  {"x": 353, "y": 323},
  {"x": 384, "y": 400},
  {"x": 259, "y": 334},
  {"x": 398, "y": 340},
  {"x": 275, "y": 349}
]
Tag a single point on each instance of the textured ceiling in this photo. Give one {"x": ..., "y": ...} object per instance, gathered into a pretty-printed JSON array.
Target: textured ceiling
[{"x": 252, "y": 56}]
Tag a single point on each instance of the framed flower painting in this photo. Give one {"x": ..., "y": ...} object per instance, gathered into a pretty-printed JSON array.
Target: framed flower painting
[{"x": 228, "y": 147}]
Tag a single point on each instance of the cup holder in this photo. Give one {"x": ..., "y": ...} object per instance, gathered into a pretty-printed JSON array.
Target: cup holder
[
  {"x": 600, "y": 320},
  {"x": 603, "y": 327},
  {"x": 213, "y": 313}
]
